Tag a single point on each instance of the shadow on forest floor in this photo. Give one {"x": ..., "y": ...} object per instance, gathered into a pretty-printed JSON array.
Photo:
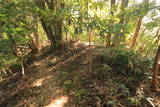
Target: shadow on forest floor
[{"x": 43, "y": 85}]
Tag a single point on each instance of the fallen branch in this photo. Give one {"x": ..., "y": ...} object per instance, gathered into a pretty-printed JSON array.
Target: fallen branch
[{"x": 150, "y": 101}]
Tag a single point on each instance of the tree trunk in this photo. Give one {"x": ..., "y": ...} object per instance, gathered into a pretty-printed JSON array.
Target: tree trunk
[
  {"x": 108, "y": 37},
  {"x": 124, "y": 4},
  {"x": 122, "y": 22},
  {"x": 37, "y": 40},
  {"x": 157, "y": 37},
  {"x": 53, "y": 31},
  {"x": 155, "y": 70},
  {"x": 1, "y": 36},
  {"x": 59, "y": 34},
  {"x": 34, "y": 42},
  {"x": 108, "y": 40},
  {"x": 138, "y": 27},
  {"x": 136, "y": 33},
  {"x": 49, "y": 32}
]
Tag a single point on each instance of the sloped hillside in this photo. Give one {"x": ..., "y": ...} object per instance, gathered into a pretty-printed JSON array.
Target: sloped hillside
[{"x": 75, "y": 77}]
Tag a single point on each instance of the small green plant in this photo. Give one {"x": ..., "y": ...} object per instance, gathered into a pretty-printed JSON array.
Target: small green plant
[
  {"x": 68, "y": 85},
  {"x": 80, "y": 93},
  {"x": 16, "y": 66},
  {"x": 111, "y": 103},
  {"x": 124, "y": 90},
  {"x": 134, "y": 102},
  {"x": 107, "y": 67},
  {"x": 63, "y": 73},
  {"x": 139, "y": 74}
]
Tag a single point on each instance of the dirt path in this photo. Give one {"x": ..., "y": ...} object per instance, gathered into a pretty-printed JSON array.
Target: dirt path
[
  {"x": 43, "y": 84},
  {"x": 39, "y": 88}
]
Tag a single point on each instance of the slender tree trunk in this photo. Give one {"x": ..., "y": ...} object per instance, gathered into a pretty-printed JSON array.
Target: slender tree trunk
[
  {"x": 37, "y": 42},
  {"x": 34, "y": 42},
  {"x": 108, "y": 37},
  {"x": 90, "y": 52},
  {"x": 108, "y": 40},
  {"x": 157, "y": 37},
  {"x": 1, "y": 36},
  {"x": 58, "y": 33},
  {"x": 122, "y": 22},
  {"x": 155, "y": 70},
  {"x": 136, "y": 33},
  {"x": 80, "y": 17},
  {"x": 124, "y": 4},
  {"x": 138, "y": 27}
]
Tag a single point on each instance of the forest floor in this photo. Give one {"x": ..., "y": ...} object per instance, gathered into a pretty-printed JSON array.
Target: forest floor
[{"x": 65, "y": 79}]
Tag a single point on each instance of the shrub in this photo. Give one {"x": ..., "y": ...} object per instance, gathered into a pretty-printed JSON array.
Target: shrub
[
  {"x": 119, "y": 59},
  {"x": 125, "y": 61}
]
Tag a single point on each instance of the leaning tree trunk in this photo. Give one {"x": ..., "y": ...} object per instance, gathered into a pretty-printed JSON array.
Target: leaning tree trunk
[
  {"x": 157, "y": 37},
  {"x": 155, "y": 70},
  {"x": 138, "y": 27},
  {"x": 49, "y": 31},
  {"x": 136, "y": 33}
]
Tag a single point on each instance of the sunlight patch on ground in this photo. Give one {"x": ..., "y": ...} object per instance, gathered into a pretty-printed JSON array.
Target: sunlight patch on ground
[
  {"x": 59, "y": 102},
  {"x": 37, "y": 63},
  {"x": 59, "y": 91},
  {"x": 39, "y": 82}
]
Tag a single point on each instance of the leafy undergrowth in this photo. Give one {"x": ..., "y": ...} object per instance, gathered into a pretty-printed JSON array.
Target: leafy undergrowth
[
  {"x": 66, "y": 79},
  {"x": 118, "y": 78}
]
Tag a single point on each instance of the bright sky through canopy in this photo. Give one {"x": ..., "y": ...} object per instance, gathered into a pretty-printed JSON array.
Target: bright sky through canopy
[{"x": 157, "y": 1}]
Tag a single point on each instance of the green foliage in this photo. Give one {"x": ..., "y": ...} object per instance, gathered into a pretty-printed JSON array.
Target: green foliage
[
  {"x": 123, "y": 89},
  {"x": 120, "y": 88},
  {"x": 17, "y": 21},
  {"x": 68, "y": 85},
  {"x": 71, "y": 84},
  {"x": 126, "y": 62},
  {"x": 79, "y": 94},
  {"x": 134, "y": 102},
  {"x": 16, "y": 17},
  {"x": 107, "y": 67},
  {"x": 16, "y": 66},
  {"x": 64, "y": 74},
  {"x": 152, "y": 24},
  {"x": 111, "y": 103},
  {"x": 146, "y": 45},
  {"x": 119, "y": 59}
]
